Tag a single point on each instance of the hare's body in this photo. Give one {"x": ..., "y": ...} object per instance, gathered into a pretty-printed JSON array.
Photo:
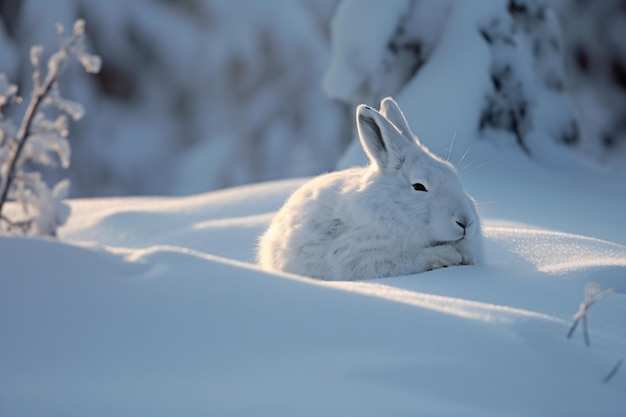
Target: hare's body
[{"x": 376, "y": 221}]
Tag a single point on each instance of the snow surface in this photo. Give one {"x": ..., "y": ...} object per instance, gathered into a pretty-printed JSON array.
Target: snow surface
[{"x": 153, "y": 306}]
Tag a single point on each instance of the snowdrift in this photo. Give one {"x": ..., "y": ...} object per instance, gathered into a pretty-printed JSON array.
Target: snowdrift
[{"x": 154, "y": 306}]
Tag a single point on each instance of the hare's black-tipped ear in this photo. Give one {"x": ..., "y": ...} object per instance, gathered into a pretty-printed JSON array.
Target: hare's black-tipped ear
[
  {"x": 382, "y": 141},
  {"x": 390, "y": 109}
]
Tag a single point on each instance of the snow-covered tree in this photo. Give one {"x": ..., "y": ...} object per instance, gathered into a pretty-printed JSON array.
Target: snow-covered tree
[
  {"x": 528, "y": 96},
  {"x": 377, "y": 47},
  {"x": 595, "y": 66},
  {"x": 481, "y": 69}
]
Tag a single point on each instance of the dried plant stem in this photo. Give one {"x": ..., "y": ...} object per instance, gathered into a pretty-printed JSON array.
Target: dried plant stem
[
  {"x": 592, "y": 296},
  {"x": 571, "y": 329},
  {"x": 613, "y": 371},
  {"x": 586, "y": 331}
]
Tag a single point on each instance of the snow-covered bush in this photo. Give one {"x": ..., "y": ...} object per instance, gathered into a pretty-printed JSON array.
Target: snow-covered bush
[{"x": 40, "y": 139}]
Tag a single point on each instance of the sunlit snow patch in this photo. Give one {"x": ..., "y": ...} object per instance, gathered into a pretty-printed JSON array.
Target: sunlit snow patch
[{"x": 554, "y": 252}]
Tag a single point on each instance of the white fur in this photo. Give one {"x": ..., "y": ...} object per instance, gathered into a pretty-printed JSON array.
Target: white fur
[{"x": 369, "y": 222}]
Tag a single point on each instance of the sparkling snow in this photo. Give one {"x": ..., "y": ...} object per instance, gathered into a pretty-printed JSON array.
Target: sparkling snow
[{"x": 153, "y": 306}]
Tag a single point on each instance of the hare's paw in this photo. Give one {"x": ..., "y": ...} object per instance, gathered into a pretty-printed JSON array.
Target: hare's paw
[{"x": 443, "y": 256}]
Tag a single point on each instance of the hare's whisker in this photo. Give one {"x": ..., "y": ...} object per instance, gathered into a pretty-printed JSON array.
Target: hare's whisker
[
  {"x": 451, "y": 146},
  {"x": 458, "y": 164}
]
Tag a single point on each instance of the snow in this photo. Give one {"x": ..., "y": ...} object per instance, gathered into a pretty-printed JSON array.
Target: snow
[
  {"x": 357, "y": 53},
  {"x": 153, "y": 306},
  {"x": 451, "y": 84}
]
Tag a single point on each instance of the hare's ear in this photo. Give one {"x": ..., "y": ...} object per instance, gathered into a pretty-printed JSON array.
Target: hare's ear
[
  {"x": 382, "y": 141},
  {"x": 390, "y": 109}
]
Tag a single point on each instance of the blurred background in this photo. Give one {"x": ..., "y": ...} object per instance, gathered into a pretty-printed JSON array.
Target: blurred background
[{"x": 196, "y": 95}]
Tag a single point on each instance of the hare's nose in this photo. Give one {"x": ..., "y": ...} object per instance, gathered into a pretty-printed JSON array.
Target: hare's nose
[{"x": 461, "y": 224}]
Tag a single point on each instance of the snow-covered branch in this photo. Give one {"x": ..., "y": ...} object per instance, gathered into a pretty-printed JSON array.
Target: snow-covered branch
[{"x": 38, "y": 137}]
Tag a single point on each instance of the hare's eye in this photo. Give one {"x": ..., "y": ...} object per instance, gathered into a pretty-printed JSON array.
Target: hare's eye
[{"x": 419, "y": 187}]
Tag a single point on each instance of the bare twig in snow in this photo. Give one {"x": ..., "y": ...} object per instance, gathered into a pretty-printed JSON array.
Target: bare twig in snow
[
  {"x": 613, "y": 371},
  {"x": 592, "y": 296}
]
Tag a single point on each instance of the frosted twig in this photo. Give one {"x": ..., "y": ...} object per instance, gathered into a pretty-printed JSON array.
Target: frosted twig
[
  {"x": 37, "y": 95},
  {"x": 613, "y": 371},
  {"x": 592, "y": 296},
  {"x": 44, "y": 93}
]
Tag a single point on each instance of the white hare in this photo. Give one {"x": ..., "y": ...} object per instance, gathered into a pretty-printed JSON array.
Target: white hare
[{"x": 403, "y": 213}]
